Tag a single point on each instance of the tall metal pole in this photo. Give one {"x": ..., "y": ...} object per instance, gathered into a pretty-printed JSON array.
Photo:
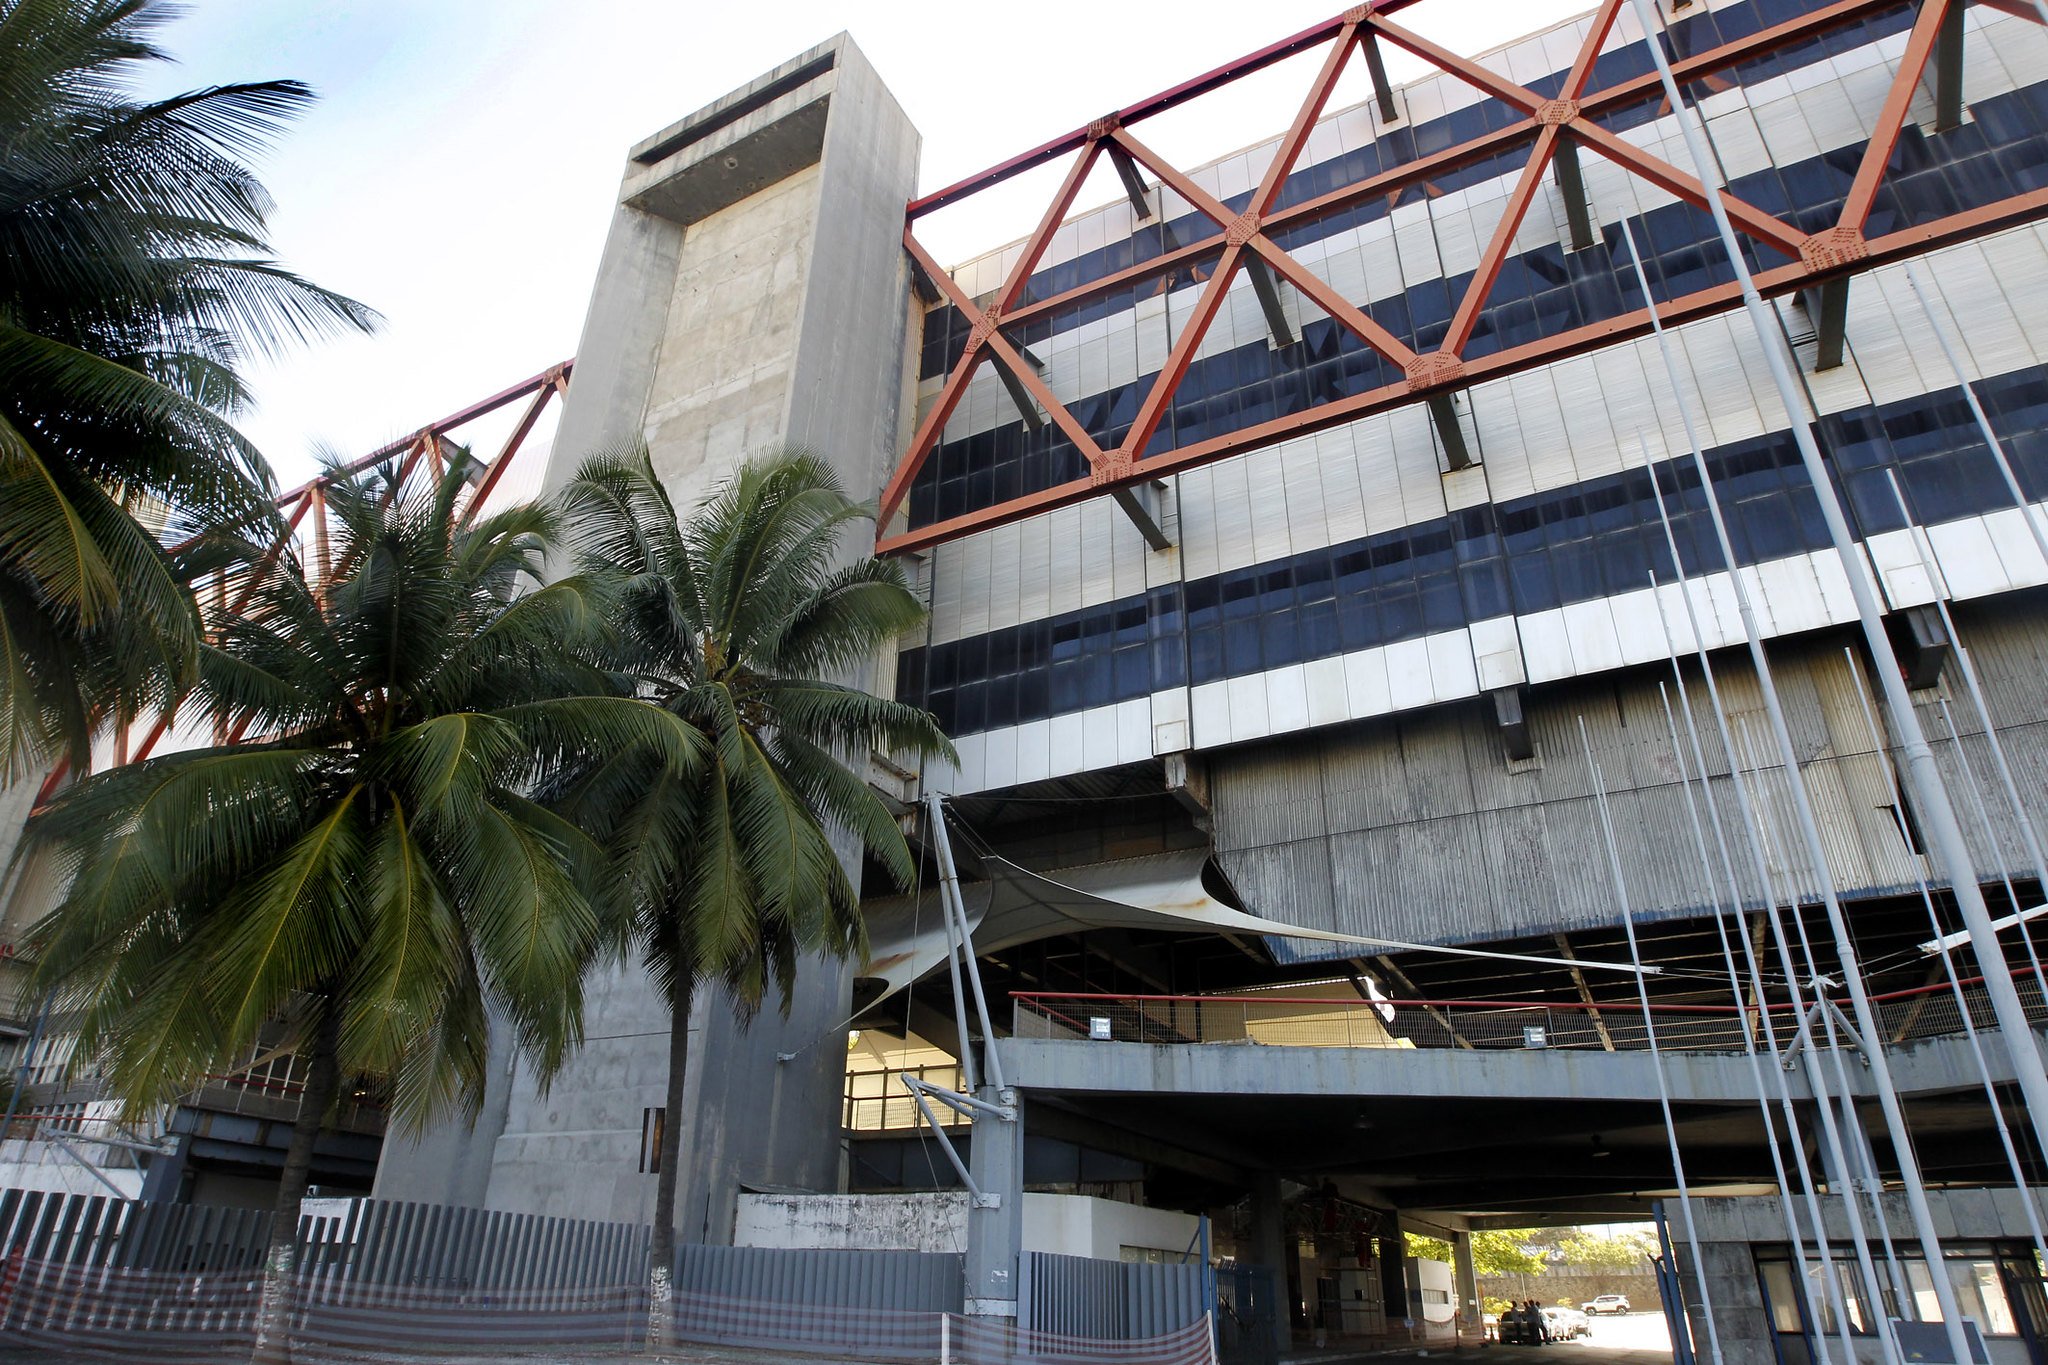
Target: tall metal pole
[
  {"x": 2028, "y": 513},
  {"x": 950, "y": 882},
  {"x": 947, "y": 876},
  {"x": 1937, "y": 579},
  {"x": 1982, "y": 815},
  {"x": 1628, "y": 924},
  {"x": 1816, "y": 1076},
  {"x": 1748, "y": 819},
  {"x": 1767, "y": 684},
  {"x": 1938, "y": 817},
  {"x": 1948, "y": 963},
  {"x": 1793, "y": 1232}
]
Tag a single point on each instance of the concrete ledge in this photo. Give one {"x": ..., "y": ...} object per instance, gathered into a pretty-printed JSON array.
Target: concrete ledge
[
  {"x": 1934, "y": 1065},
  {"x": 738, "y": 146},
  {"x": 1222, "y": 1068}
]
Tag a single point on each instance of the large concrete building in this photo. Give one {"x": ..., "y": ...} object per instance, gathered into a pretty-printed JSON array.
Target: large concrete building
[{"x": 1289, "y": 525}]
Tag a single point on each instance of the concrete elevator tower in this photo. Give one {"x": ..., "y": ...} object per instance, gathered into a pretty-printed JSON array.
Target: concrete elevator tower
[{"x": 753, "y": 276}]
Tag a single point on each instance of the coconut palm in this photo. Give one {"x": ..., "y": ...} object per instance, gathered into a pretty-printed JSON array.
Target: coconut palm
[
  {"x": 736, "y": 623},
  {"x": 364, "y": 866},
  {"x": 134, "y": 281}
]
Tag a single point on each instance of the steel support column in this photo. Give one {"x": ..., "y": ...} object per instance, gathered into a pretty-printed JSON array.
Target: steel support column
[
  {"x": 1571, "y": 183},
  {"x": 995, "y": 1219},
  {"x": 1270, "y": 1250},
  {"x": 1948, "y": 71}
]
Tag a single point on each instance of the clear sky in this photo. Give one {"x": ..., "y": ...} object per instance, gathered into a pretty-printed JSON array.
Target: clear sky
[{"x": 459, "y": 170}]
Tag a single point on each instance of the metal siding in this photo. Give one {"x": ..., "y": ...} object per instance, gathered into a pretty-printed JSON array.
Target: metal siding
[{"x": 1110, "y": 1300}]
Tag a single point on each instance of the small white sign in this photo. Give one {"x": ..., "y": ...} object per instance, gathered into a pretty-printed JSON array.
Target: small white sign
[
  {"x": 1098, "y": 1028},
  {"x": 1533, "y": 1035}
]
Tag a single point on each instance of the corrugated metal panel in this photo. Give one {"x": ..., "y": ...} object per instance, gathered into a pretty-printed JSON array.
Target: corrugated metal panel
[
  {"x": 1111, "y": 1300},
  {"x": 377, "y": 1242}
]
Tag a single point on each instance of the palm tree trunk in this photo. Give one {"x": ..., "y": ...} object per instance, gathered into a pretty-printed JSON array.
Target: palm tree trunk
[
  {"x": 323, "y": 1083},
  {"x": 661, "y": 1255}
]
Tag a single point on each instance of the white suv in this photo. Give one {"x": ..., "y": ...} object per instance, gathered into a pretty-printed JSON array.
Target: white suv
[{"x": 1608, "y": 1303}]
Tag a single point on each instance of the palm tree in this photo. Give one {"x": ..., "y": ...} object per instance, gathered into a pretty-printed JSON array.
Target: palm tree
[
  {"x": 735, "y": 623},
  {"x": 366, "y": 868},
  {"x": 133, "y": 282}
]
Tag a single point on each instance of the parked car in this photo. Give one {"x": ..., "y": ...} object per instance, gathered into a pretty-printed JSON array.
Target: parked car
[
  {"x": 1608, "y": 1303},
  {"x": 1565, "y": 1324}
]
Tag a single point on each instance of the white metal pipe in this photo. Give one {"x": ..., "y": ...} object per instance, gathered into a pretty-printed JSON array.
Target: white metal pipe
[
  {"x": 1752, "y": 823},
  {"x": 992, "y": 1064},
  {"x": 1786, "y": 1207},
  {"x": 1832, "y": 1281},
  {"x": 1963, "y": 1011},
  {"x": 1938, "y": 815},
  {"x": 1628, "y": 924},
  {"x": 2028, "y": 512},
  {"x": 1937, "y": 579},
  {"x": 949, "y": 880},
  {"x": 1831, "y": 1134}
]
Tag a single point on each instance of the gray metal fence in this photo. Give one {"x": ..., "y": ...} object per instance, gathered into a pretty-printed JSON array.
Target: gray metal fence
[
  {"x": 184, "y": 1281},
  {"x": 1111, "y": 1300},
  {"x": 384, "y": 1242}
]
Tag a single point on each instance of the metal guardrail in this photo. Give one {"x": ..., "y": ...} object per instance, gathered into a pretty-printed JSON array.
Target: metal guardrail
[
  {"x": 1348, "y": 1021},
  {"x": 876, "y": 1101}
]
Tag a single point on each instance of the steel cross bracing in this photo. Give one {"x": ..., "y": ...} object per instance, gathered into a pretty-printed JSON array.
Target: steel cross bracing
[
  {"x": 1554, "y": 129},
  {"x": 427, "y": 449}
]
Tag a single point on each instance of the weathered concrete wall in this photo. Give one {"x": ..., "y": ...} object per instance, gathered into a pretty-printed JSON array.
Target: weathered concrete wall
[
  {"x": 1730, "y": 1230},
  {"x": 853, "y": 1222},
  {"x": 1068, "y": 1224},
  {"x": 753, "y": 273},
  {"x": 1417, "y": 828}
]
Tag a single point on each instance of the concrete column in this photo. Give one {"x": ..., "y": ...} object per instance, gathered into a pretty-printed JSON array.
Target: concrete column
[
  {"x": 1269, "y": 1247},
  {"x": 995, "y": 1232},
  {"x": 1465, "y": 1275}
]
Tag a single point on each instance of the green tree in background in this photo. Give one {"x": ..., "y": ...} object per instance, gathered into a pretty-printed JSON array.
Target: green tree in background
[
  {"x": 1494, "y": 1252},
  {"x": 366, "y": 869},
  {"x": 1625, "y": 1251},
  {"x": 735, "y": 623},
  {"x": 134, "y": 282}
]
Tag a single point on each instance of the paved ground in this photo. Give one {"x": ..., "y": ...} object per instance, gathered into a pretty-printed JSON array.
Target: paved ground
[
  {"x": 1630, "y": 1339},
  {"x": 1624, "y": 1339},
  {"x": 686, "y": 1355}
]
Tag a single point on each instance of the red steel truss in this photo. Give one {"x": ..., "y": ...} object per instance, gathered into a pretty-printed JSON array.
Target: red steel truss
[
  {"x": 1546, "y": 126},
  {"x": 428, "y": 448}
]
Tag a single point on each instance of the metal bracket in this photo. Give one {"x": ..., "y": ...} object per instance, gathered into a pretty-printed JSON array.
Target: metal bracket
[
  {"x": 969, "y": 1108},
  {"x": 1144, "y": 504}
]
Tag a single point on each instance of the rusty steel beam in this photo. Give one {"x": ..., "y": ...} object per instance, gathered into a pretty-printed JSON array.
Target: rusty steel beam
[
  {"x": 1789, "y": 278},
  {"x": 1193, "y": 88},
  {"x": 1551, "y": 128},
  {"x": 309, "y": 499},
  {"x": 1891, "y": 120},
  {"x": 1239, "y": 232},
  {"x": 554, "y": 374},
  {"x": 1392, "y": 181}
]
